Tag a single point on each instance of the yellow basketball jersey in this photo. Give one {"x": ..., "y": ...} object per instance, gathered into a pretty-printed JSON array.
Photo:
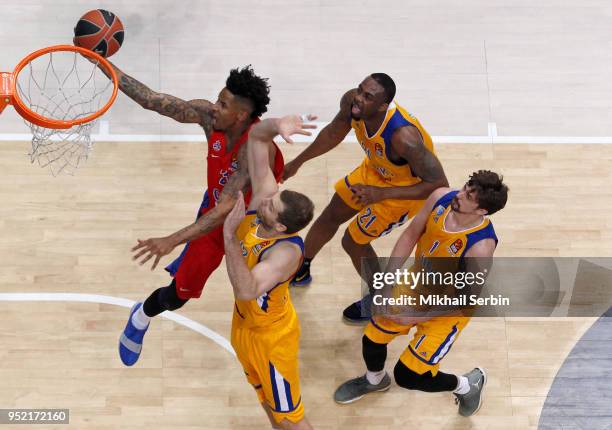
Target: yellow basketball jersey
[
  {"x": 441, "y": 251},
  {"x": 274, "y": 305},
  {"x": 436, "y": 241},
  {"x": 377, "y": 146}
]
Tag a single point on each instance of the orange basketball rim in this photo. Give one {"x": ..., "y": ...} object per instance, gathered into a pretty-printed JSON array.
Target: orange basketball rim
[{"x": 10, "y": 95}]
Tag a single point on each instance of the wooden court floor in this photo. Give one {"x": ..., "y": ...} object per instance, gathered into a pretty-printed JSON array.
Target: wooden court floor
[{"x": 74, "y": 234}]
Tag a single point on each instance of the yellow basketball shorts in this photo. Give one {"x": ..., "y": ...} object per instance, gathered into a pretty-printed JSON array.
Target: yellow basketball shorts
[
  {"x": 431, "y": 342},
  {"x": 377, "y": 219},
  {"x": 269, "y": 357}
]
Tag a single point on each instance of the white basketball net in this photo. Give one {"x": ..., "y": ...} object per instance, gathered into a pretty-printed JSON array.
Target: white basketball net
[{"x": 63, "y": 85}]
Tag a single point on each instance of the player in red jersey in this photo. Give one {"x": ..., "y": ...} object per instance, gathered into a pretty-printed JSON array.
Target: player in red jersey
[{"x": 226, "y": 124}]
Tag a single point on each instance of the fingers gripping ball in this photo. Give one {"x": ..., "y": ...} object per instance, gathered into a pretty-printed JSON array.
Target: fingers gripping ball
[{"x": 100, "y": 31}]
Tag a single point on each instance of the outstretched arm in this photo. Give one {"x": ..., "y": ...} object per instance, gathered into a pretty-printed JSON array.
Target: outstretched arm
[
  {"x": 196, "y": 111},
  {"x": 159, "y": 246},
  {"x": 328, "y": 138},
  {"x": 260, "y": 143}
]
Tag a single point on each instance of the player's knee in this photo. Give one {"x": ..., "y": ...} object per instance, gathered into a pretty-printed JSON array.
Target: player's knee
[
  {"x": 406, "y": 378},
  {"x": 348, "y": 244},
  {"x": 169, "y": 299}
]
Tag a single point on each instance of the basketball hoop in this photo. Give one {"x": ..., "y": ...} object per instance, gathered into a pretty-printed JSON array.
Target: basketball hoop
[{"x": 60, "y": 91}]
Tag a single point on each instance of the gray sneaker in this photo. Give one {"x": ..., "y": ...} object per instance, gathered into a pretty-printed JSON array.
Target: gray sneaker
[
  {"x": 470, "y": 402},
  {"x": 355, "y": 389}
]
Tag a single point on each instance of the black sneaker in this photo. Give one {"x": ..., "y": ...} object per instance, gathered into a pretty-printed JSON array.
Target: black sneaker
[
  {"x": 302, "y": 277},
  {"x": 359, "y": 312},
  {"x": 303, "y": 280}
]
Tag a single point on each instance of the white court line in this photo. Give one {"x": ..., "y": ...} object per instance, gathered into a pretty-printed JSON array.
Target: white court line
[
  {"x": 118, "y": 301},
  {"x": 492, "y": 137}
]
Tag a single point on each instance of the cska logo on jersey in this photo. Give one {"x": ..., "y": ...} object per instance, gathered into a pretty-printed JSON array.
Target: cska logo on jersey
[
  {"x": 379, "y": 150},
  {"x": 456, "y": 247},
  {"x": 223, "y": 177},
  {"x": 217, "y": 145}
]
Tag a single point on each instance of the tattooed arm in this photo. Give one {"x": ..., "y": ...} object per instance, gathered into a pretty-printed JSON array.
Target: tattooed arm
[
  {"x": 193, "y": 111},
  {"x": 408, "y": 143},
  {"x": 159, "y": 246}
]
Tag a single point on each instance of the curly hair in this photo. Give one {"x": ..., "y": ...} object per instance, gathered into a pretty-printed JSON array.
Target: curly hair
[
  {"x": 491, "y": 192},
  {"x": 246, "y": 84}
]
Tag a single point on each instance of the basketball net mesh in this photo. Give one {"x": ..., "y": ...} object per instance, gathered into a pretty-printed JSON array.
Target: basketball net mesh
[{"x": 63, "y": 86}]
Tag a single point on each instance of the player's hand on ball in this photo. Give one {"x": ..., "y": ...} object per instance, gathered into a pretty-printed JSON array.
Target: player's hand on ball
[
  {"x": 154, "y": 247},
  {"x": 366, "y": 194},
  {"x": 235, "y": 217},
  {"x": 294, "y": 124}
]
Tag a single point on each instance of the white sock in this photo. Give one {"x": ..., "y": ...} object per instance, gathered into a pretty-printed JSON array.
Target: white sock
[
  {"x": 140, "y": 319},
  {"x": 463, "y": 386},
  {"x": 374, "y": 378}
]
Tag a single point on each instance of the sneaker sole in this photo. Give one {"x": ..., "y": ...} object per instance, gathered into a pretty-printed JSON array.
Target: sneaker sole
[
  {"x": 348, "y": 321},
  {"x": 304, "y": 282},
  {"x": 346, "y": 402},
  {"x": 300, "y": 284}
]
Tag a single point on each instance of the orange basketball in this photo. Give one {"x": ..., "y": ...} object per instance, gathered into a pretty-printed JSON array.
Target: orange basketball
[{"x": 99, "y": 30}]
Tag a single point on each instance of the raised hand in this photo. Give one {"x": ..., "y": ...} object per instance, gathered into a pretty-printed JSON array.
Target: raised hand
[{"x": 293, "y": 124}]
